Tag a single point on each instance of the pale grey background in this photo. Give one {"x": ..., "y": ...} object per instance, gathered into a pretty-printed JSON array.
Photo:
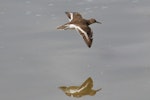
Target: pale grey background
[{"x": 36, "y": 58}]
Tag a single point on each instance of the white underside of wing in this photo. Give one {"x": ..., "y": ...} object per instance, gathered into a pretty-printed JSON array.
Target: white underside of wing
[
  {"x": 82, "y": 88},
  {"x": 79, "y": 30},
  {"x": 73, "y": 91},
  {"x": 77, "y": 90}
]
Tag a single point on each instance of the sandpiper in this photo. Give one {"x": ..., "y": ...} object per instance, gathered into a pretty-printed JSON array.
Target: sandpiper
[
  {"x": 81, "y": 25},
  {"x": 79, "y": 91}
]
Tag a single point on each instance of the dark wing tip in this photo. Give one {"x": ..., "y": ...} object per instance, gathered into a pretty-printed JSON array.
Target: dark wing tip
[
  {"x": 90, "y": 43},
  {"x": 89, "y": 79}
]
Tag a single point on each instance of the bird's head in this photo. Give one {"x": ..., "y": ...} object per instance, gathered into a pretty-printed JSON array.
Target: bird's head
[{"x": 92, "y": 20}]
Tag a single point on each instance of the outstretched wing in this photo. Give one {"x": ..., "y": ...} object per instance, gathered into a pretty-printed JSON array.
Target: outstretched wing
[
  {"x": 86, "y": 33},
  {"x": 72, "y": 15},
  {"x": 86, "y": 86}
]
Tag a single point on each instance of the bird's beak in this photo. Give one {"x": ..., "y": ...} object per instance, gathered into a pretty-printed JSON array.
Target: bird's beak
[{"x": 98, "y": 22}]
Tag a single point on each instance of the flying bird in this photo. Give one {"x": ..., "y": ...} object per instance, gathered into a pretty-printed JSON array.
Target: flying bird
[
  {"x": 81, "y": 25},
  {"x": 79, "y": 91}
]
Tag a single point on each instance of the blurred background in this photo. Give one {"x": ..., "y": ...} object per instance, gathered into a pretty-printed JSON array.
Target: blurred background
[{"x": 36, "y": 58}]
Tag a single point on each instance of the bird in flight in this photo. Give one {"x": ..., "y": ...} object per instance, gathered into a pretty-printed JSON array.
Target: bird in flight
[
  {"x": 79, "y": 91},
  {"x": 81, "y": 25}
]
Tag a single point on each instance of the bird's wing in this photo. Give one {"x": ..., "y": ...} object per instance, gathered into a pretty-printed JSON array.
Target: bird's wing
[
  {"x": 72, "y": 15},
  {"x": 86, "y": 33},
  {"x": 86, "y": 86}
]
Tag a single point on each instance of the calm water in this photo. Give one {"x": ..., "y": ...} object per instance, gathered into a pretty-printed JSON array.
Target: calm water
[{"x": 36, "y": 58}]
